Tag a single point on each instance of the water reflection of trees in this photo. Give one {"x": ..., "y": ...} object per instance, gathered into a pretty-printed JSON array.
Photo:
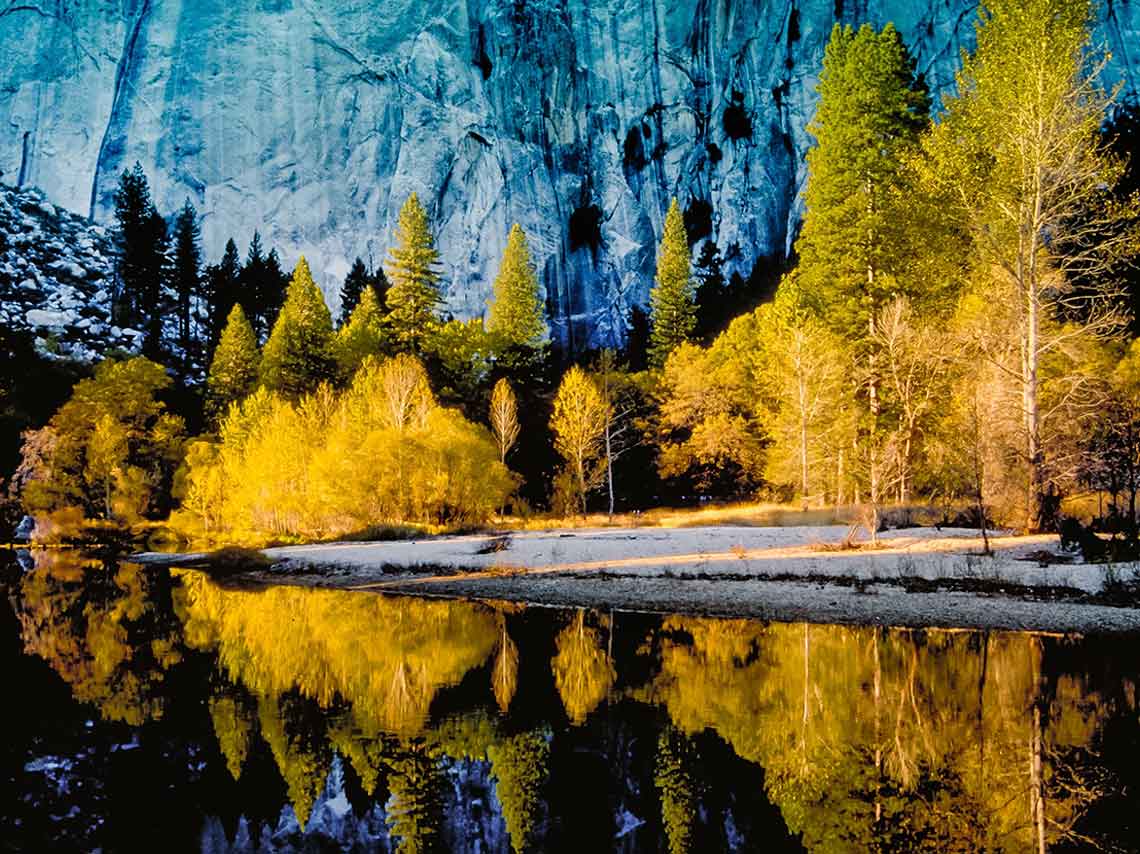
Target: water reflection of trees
[
  {"x": 893, "y": 740},
  {"x": 385, "y": 658},
  {"x": 110, "y": 633},
  {"x": 869, "y": 739}
]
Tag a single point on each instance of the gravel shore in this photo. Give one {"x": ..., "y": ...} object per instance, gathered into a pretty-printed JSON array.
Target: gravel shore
[{"x": 915, "y": 577}]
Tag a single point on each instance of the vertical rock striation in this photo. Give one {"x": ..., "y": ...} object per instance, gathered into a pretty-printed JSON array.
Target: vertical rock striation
[{"x": 312, "y": 120}]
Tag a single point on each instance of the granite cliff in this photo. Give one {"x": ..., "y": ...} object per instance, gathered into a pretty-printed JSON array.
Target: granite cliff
[{"x": 313, "y": 120}]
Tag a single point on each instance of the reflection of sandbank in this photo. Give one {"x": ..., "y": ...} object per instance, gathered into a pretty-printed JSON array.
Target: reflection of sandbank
[{"x": 918, "y": 577}]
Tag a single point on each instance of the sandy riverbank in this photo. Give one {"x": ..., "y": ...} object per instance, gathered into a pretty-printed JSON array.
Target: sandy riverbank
[{"x": 918, "y": 577}]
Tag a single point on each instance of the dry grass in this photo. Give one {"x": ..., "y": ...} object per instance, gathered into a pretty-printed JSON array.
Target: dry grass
[{"x": 745, "y": 515}]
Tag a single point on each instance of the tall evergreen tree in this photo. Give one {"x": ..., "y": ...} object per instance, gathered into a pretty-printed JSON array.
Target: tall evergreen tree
[
  {"x": 672, "y": 311},
  {"x": 713, "y": 308},
  {"x": 234, "y": 369},
  {"x": 520, "y": 766},
  {"x": 299, "y": 354},
  {"x": 860, "y": 218},
  {"x": 362, "y": 336},
  {"x": 223, "y": 282},
  {"x": 870, "y": 113},
  {"x": 415, "y": 808},
  {"x": 637, "y": 339},
  {"x": 379, "y": 283},
  {"x": 677, "y": 788},
  {"x": 186, "y": 276},
  {"x": 517, "y": 310},
  {"x": 414, "y": 275},
  {"x": 355, "y": 282},
  {"x": 272, "y": 295},
  {"x": 142, "y": 263},
  {"x": 255, "y": 285}
]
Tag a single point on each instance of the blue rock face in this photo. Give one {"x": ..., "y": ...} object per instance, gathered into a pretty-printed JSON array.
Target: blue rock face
[{"x": 312, "y": 121}]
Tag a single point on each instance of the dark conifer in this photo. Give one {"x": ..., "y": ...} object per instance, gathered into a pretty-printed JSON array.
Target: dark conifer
[
  {"x": 272, "y": 294},
  {"x": 355, "y": 282},
  {"x": 223, "y": 281},
  {"x": 186, "y": 276},
  {"x": 142, "y": 262}
]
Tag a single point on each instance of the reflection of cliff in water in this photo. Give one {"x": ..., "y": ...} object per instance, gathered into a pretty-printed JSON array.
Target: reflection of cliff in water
[{"x": 439, "y": 725}]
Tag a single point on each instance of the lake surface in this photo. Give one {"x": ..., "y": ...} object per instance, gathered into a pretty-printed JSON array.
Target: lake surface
[{"x": 150, "y": 709}]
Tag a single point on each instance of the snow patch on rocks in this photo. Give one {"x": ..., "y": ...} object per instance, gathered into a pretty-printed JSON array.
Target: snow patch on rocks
[{"x": 56, "y": 274}]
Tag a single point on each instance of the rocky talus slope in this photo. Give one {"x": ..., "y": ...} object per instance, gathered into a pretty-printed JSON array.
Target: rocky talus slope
[{"x": 56, "y": 275}]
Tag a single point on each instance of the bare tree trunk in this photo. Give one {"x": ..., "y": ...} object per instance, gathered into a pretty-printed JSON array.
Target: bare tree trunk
[
  {"x": 581, "y": 466},
  {"x": 609, "y": 468},
  {"x": 873, "y": 388},
  {"x": 1034, "y": 509},
  {"x": 873, "y": 457},
  {"x": 979, "y": 471},
  {"x": 806, "y": 697},
  {"x": 803, "y": 448},
  {"x": 839, "y": 479}
]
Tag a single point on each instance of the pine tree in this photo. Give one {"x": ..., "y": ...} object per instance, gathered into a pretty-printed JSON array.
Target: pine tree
[
  {"x": 412, "y": 270},
  {"x": 415, "y": 808},
  {"x": 517, "y": 311},
  {"x": 132, "y": 209},
  {"x": 223, "y": 281},
  {"x": 142, "y": 264},
  {"x": 299, "y": 354},
  {"x": 155, "y": 305},
  {"x": 870, "y": 114},
  {"x": 255, "y": 286},
  {"x": 272, "y": 294},
  {"x": 712, "y": 305},
  {"x": 379, "y": 284},
  {"x": 520, "y": 766},
  {"x": 355, "y": 282},
  {"x": 672, "y": 312},
  {"x": 234, "y": 370},
  {"x": 362, "y": 336},
  {"x": 187, "y": 275},
  {"x": 855, "y": 251},
  {"x": 677, "y": 789}
]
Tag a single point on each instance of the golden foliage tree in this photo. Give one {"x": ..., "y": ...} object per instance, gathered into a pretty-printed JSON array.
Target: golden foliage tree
[
  {"x": 111, "y": 450},
  {"x": 383, "y": 451},
  {"x": 803, "y": 372},
  {"x": 504, "y": 416},
  {"x": 706, "y": 429},
  {"x": 578, "y": 424},
  {"x": 1022, "y": 170}
]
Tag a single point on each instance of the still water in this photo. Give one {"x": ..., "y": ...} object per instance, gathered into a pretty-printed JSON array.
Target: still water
[{"x": 150, "y": 709}]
